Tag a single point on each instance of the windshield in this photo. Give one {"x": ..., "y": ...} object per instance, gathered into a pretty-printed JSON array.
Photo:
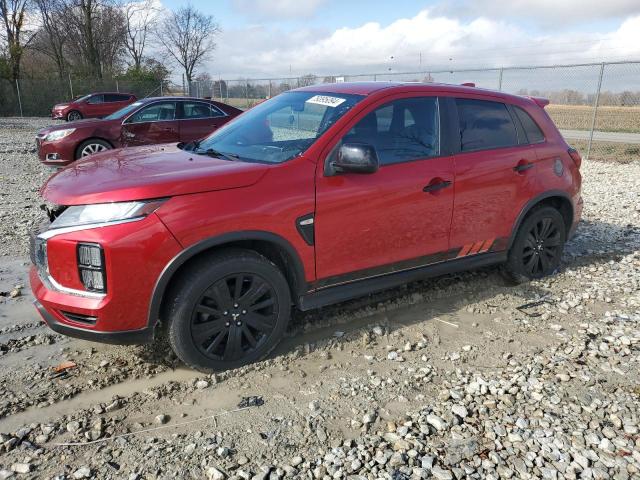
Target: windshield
[
  {"x": 123, "y": 111},
  {"x": 82, "y": 99},
  {"x": 278, "y": 129}
]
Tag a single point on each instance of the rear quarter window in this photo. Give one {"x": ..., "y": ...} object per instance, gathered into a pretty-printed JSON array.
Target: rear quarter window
[
  {"x": 531, "y": 128},
  {"x": 485, "y": 125}
]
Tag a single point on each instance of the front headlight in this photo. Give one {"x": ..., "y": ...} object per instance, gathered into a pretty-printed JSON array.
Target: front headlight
[
  {"x": 105, "y": 212},
  {"x": 58, "y": 134}
]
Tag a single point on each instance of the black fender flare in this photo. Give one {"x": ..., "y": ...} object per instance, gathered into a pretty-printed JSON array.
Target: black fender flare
[
  {"x": 185, "y": 255},
  {"x": 531, "y": 204}
]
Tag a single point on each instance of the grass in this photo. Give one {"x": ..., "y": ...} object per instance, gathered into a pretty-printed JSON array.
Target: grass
[
  {"x": 608, "y": 151},
  {"x": 609, "y": 119}
]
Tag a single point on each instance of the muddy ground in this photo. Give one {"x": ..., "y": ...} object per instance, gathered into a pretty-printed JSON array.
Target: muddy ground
[{"x": 462, "y": 376}]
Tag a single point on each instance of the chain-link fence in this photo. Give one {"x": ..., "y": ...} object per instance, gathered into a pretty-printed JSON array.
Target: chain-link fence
[
  {"x": 36, "y": 96},
  {"x": 596, "y": 106}
]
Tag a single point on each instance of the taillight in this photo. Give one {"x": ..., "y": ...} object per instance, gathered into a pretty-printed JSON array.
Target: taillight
[
  {"x": 575, "y": 156},
  {"x": 91, "y": 267}
]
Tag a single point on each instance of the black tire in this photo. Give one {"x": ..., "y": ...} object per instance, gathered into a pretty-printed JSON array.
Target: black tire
[
  {"x": 227, "y": 310},
  {"x": 91, "y": 146},
  {"x": 74, "y": 115},
  {"x": 538, "y": 246}
]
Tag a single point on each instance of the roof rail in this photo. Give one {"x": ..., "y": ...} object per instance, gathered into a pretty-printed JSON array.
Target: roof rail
[{"x": 468, "y": 84}]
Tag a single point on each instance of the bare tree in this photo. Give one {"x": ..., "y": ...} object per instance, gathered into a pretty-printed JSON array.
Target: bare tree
[
  {"x": 95, "y": 34},
  {"x": 141, "y": 19},
  {"x": 50, "y": 39},
  {"x": 188, "y": 36},
  {"x": 13, "y": 14}
]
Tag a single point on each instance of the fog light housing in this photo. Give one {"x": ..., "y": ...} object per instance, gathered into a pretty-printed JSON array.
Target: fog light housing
[{"x": 91, "y": 267}]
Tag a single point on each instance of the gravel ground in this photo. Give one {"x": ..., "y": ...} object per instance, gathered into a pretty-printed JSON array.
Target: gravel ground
[{"x": 456, "y": 377}]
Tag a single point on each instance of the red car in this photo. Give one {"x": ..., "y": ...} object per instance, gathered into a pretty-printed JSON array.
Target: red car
[
  {"x": 152, "y": 120},
  {"x": 94, "y": 105},
  {"x": 313, "y": 197}
]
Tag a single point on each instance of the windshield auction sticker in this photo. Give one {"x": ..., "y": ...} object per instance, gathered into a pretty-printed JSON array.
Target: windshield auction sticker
[{"x": 326, "y": 100}]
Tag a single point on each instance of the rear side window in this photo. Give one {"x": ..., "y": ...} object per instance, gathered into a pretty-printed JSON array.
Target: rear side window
[
  {"x": 401, "y": 131},
  {"x": 485, "y": 125},
  {"x": 192, "y": 110},
  {"x": 531, "y": 128},
  {"x": 114, "y": 97}
]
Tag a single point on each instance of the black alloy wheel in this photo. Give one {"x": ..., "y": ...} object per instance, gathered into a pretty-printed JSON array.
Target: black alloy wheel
[
  {"x": 227, "y": 309},
  {"x": 234, "y": 317},
  {"x": 538, "y": 246},
  {"x": 542, "y": 247}
]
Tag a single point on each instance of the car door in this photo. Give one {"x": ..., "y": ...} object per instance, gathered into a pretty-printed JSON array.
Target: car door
[
  {"x": 199, "y": 119},
  {"x": 93, "y": 106},
  {"x": 153, "y": 123},
  {"x": 495, "y": 173},
  {"x": 398, "y": 217}
]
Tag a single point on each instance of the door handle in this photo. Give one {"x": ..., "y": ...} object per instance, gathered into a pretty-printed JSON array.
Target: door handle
[
  {"x": 523, "y": 166},
  {"x": 435, "y": 186}
]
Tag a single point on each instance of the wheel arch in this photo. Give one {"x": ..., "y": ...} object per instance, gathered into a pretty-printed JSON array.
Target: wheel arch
[
  {"x": 272, "y": 246},
  {"x": 555, "y": 198},
  {"x": 76, "y": 152}
]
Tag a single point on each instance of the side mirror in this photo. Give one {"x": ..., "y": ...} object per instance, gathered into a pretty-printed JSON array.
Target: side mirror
[{"x": 356, "y": 158}]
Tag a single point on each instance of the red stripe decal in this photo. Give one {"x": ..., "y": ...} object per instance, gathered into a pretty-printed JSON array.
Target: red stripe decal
[
  {"x": 465, "y": 250},
  {"x": 487, "y": 245},
  {"x": 476, "y": 247}
]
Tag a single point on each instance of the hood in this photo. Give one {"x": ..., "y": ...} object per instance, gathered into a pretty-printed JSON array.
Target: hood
[
  {"x": 146, "y": 172},
  {"x": 88, "y": 123}
]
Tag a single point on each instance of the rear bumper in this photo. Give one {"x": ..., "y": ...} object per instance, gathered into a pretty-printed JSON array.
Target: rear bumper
[{"x": 127, "y": 337}]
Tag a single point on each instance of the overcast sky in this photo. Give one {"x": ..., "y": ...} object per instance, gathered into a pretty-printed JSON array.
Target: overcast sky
[{"x": 267, "y": 38}]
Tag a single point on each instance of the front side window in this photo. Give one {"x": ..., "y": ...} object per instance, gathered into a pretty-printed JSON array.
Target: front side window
[
  {"x": 193, "y": 110},
  {"x": 401, "y": 131},
  {"x": 161, "y": 111},
  {"x": 123, "y": 111},
  {"x": 96, "y": 99},
  {"x": 485, "y": 125},
  {"x": 280, "y": 128}
]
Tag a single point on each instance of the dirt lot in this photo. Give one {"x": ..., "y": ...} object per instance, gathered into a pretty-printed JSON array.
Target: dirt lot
[{"x": 456, "y": 377}]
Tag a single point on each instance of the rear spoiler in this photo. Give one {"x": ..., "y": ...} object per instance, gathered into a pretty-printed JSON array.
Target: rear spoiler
[{"x": 540, "y": 101}]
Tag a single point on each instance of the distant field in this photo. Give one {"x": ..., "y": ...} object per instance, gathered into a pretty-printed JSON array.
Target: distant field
[{"x": 609, "y": 119}]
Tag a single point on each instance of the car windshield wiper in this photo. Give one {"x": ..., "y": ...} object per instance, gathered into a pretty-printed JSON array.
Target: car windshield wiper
[
  {"x": 215, "y": 153},
  {"x": 189, "y": 146}
]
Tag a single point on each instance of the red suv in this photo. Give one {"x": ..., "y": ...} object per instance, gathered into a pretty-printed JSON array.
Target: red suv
[
  {"x": 94, "y": 105},
  {"x": 152, "y": 120},
  {"x": 313, "y": 197}
]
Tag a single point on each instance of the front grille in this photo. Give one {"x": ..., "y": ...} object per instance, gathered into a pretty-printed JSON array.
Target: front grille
[{"x": 78, "y": 318}]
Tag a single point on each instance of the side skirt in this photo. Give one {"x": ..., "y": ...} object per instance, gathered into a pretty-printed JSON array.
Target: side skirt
[{"x": 359, "y": 288}]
